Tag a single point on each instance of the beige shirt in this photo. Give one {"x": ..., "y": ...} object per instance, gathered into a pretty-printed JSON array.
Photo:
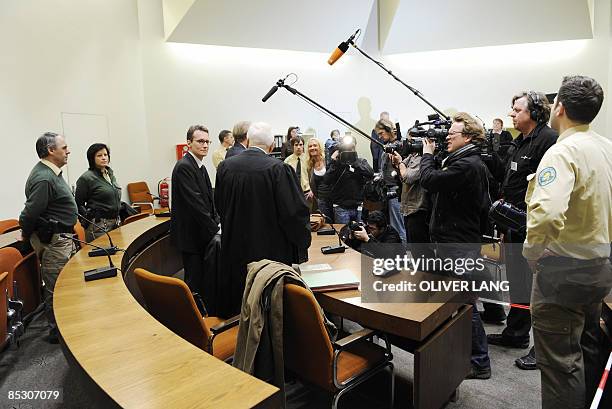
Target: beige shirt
[
  {"x": 292, "y": 161},
  {"x": 53, "y": 166},
  {"x": 219, "y": 155},
  {"x": 570, "y": 198}
]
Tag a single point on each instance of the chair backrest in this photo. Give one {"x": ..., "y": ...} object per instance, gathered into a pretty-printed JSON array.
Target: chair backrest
[
  {"x": 3, "y": 309},
  {"x": 169, "y": 301},
  {"x": 29, "y": 283},
  {"x": 8, "y": 225},
  {"x": 307, "y": 348},
  {"x": 80, "y": 231},
  {"x": 9, "y": 257},
  {"x": 135, "y": 217},
  {"x": 139, "y": 192}
]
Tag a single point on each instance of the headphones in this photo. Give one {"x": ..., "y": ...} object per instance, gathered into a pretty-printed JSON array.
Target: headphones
[{"x": 537, "y": 110}]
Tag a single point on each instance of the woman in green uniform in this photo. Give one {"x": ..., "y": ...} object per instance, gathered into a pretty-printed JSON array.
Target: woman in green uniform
[{"x": 98, "y": 196}]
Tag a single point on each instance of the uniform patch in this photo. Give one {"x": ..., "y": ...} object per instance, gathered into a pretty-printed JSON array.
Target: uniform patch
[{"x": 547, "y": 176}]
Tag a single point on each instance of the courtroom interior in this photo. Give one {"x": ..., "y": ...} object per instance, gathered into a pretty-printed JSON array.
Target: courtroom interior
[{"x": 306, "y": 204}]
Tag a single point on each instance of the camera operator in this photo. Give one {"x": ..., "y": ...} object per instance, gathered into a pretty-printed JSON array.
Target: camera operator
[
  {"x": 376, "y": 230},
  {"x": 346, "y": 176},
  {"x": 386, "y": 131},
  {"x": 460, "y": 205},
  {"x": 530, "y": 114},
  {"x": 414, "y": 205}
]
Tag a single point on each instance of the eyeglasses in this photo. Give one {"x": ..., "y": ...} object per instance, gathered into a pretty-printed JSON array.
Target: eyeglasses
[
  {"x": 454, "y": 133},
  {"x": 202, "y": 141}
]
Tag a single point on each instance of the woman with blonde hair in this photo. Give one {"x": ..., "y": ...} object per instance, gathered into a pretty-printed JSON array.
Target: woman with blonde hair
[{"x": 316, "y": 171}]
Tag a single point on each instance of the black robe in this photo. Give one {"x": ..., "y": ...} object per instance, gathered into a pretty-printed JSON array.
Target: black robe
[{"x": 263, "y": 215}]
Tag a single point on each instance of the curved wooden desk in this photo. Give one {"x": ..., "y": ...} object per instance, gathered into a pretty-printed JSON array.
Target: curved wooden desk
[{"x": 133, "y": 359}]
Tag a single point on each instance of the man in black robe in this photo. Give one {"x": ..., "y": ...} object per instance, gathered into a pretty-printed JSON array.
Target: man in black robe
[{"x": 263, "y": 213}]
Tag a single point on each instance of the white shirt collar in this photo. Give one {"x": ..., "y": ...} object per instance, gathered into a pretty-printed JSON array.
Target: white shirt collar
[
  {"x": 198, "y": 161},
  {"x": 53, "y": 166}
]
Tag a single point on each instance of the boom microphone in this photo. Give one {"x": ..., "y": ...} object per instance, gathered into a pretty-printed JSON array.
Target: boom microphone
[
  {"x": 270, "y": 93},
  {"x": 341, "y": 49}
]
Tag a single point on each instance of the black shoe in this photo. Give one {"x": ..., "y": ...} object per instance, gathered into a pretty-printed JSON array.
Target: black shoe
[
  {"x": 501, "y": 340},
  {"x": 489, "y": 319},
  {"x": 527, "y": 362},
  {"x": 479, "y": 373}
]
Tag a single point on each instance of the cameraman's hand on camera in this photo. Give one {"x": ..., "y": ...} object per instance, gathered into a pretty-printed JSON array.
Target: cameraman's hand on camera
[
  {"x": 362, "y": 235},
  {"x": 428, "y": 146},
  {"x": 396, "y": 159},
  {"x": 334, "y": 155}
]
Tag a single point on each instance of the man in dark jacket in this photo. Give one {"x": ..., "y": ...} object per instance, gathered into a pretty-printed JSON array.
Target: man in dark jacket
[
  {"x": 263, "y": 213},
  {"x": 194, "y": 220},
  {"x": 460, "y": 205},
  {"x": 346, "y": 180},
  {"x": 530, "y": 114}
]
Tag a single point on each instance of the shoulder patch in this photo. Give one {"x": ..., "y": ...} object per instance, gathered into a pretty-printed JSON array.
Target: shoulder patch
[{"x": 547, "y": 176}]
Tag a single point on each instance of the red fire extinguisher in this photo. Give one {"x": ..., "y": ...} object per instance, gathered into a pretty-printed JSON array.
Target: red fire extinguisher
[{"x": 163, "y": 189}]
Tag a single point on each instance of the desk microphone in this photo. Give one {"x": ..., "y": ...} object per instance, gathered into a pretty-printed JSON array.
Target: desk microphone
[
  {"x": 96, "y": 273},
  {"x": 101, "y": 251},
  {"x": 340, "y": 248}
]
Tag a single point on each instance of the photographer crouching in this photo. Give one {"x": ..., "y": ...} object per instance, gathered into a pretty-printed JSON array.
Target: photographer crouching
[
  {"x": 460, "y": 204},
  {"x": 375, "y": 230}
]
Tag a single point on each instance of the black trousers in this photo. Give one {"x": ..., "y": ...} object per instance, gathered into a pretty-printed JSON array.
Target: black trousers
[
  {"x": 417, "y": 234},
  {"x": 520, "y": 277},
  {"x": 193, "y": 264}
]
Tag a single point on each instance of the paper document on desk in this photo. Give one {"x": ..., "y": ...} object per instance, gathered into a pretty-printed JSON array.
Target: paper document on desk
[
  {"x": 333, "y": 280},
  {"x": 305, "y": 268}
]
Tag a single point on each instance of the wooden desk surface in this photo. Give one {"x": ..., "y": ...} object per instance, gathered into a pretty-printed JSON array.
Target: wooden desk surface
[
  {"x": 412, "y": 320},
  {"x": 133, "y": 358}
]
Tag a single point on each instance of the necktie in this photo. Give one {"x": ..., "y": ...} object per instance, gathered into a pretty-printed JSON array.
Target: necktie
[{"x": 298, "y": 171}]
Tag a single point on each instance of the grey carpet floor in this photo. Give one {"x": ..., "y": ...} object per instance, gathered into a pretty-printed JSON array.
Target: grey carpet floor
[{"x": 37, "y": 365}]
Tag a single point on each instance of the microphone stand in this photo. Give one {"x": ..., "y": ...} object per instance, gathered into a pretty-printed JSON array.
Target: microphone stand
[
  {"x": 101, "y": 251},
  {"x": 281, "y": 84},
  {"x": 340, "y": 248},
  {"x": 96, "y": 273},
  {"x": 395, "y": 77}
]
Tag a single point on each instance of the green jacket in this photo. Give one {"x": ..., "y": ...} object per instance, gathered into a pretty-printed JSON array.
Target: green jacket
[
  {"x": 95, "y": 193},
  {"x": 48, "y": 196}
]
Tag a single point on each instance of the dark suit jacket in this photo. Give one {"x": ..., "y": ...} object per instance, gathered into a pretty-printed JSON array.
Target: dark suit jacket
[
  {"x": 194, "y": 220},
  {"x": 263, "y": 216},
  {"x": 235, "y": 150}
]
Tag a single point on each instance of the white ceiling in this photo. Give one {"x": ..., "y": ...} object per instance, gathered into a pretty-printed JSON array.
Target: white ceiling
[
  {"x": 418, "y": 25},
  {"x": 403, "y": 25},
  {"x": 310, "y": 25}
]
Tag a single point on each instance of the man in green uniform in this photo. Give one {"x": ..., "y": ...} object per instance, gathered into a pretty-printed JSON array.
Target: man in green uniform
[
  {"x": 569, "y": 230},
  {"x": 49, "y": 210}
]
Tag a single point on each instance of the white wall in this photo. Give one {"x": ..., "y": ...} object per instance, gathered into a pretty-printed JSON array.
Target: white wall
[
  {"x": 68, "y": 56},
  {"x": 109, "y": 58}
]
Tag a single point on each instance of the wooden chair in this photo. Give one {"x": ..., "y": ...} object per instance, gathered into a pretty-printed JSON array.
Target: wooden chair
[
  {"x": 135, "y": 217},
  {"x": 9, "y": 257},
  {"x": 309, "y": 353},
  {"x": 141, "y": 196},
  {"x": 8, "y": 225},
  {"x": 3, "y": 309},
  {"x": 80, "y": 231},
  {"x": 170, "y": 301},
  {"x": 29, "y": 283}
]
